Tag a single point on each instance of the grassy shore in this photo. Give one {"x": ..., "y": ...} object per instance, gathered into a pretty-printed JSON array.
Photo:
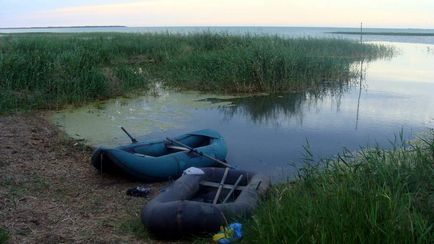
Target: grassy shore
[
  {"x": 52, "y": 70},
  {"x": 376, "y": 196}
]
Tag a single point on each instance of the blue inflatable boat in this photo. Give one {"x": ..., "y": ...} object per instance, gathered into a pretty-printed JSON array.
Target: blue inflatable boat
[{"x": 162, "y": 160}]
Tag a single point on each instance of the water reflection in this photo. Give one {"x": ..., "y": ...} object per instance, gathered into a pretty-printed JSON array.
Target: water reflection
[
  {"x": 360, "y": 92},
  {"x": 262, "y": 109}
]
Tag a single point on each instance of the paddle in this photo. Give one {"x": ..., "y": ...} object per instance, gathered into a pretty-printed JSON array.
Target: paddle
[
  {"x": 198, "y": 152},
  {"x": 133, "y": 140}
]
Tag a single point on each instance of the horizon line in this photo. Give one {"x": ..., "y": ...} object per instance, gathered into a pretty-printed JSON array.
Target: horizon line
[{"x": 178, "y": 26}]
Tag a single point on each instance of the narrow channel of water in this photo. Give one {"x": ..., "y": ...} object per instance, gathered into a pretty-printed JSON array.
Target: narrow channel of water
[{"x": 267, "y": 133}]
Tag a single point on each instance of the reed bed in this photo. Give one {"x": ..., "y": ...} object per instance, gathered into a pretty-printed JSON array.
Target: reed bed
[
  {"x": 376, "y": 196},
  {"x": 49, "y": 71},
  {"x": 4, "y": 236}
]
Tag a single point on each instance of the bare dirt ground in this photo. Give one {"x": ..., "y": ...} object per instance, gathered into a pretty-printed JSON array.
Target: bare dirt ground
[{"x": 50, "y": 193}]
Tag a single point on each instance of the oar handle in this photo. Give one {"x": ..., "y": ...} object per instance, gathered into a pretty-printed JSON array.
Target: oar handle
[{"x": 133, "y": 140}]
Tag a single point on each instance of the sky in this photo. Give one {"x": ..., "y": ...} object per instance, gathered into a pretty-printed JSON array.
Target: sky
[{"x": 330, "y": 13}]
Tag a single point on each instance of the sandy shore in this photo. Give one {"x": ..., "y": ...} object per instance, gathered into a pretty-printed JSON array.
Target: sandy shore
[{"x": 50, "y": 193}]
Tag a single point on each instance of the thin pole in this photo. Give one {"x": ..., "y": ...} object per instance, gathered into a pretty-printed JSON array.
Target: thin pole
[
  {"x": 100, "y": 161},
  {"x": 361, "y": 78},
  {"x": 360, "y": 93}
]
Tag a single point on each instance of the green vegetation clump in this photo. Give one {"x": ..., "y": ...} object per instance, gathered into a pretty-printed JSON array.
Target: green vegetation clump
[
  {"x": 134, "y": 227},
  {"x": 52, "y": 70},
  {"x": 4, "y": 236},
  {"x": 378, "y": 196}
]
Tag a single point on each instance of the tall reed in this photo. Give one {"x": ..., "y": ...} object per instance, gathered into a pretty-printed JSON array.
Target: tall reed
[{"x": 377, "y": 196}]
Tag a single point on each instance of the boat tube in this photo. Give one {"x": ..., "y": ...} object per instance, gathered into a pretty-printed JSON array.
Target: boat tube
[
  {"x": 186, "y": 207},
  {"x": 161, "y": 160}
]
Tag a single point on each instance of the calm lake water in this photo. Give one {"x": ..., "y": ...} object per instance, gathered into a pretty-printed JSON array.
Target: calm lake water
[{"x": 267, "y": 133}]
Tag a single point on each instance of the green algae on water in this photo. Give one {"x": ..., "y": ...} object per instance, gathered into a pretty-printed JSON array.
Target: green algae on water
[{"x": 99, "y": 123}]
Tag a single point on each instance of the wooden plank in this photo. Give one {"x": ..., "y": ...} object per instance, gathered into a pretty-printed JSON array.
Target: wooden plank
[
  {"x": 219, "y": 190},
  {"x": 225, "y": 186}
]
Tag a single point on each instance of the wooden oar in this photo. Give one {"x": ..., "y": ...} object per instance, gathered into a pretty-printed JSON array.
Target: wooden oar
[
  {"x": 198, "y": 152},
  {"x": 233, "y": 188},
  {"x": 219, "y": 190}
]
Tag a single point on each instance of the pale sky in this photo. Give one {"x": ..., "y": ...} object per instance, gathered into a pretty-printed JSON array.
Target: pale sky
[{"x": 336, "y": 13}]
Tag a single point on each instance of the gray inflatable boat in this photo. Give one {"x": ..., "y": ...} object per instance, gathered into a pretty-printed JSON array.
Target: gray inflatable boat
[{"x": 190, "y": 206}]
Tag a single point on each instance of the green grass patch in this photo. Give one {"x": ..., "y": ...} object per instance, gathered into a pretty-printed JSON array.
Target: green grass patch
[
  {"x": 18, "y": 188},
  {"x": 376, "y": 196},
  {"x": 4, "y": 236},
  {"x": 48, "y": 71},
  {"x": 134, "y": 227}
]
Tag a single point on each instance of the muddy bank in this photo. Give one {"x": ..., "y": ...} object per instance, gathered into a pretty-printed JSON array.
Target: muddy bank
[{"x": 50, "y": 193}]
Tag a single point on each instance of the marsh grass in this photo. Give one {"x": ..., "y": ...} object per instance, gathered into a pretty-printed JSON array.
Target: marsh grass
[
  {"x": 376, "y": 196},
  {"x": 52, "y": 70},
  {"x": 4, "y": 236}
]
